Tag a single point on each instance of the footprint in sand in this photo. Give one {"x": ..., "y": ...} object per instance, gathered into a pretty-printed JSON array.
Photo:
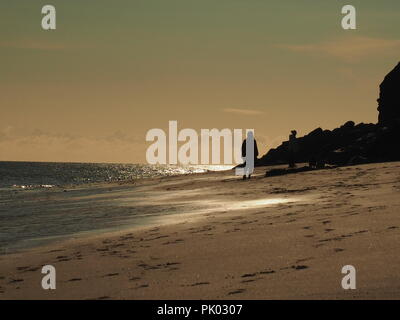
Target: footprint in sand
[
  {"x": 267, "y": 272},
  {"x": 248, "y": 221},
  {"x": 111, "y": 275},
  {"x": 173, "y": 242},
  {"x": 361, "y": 231},
  {"x": 199, "y": 284},
  {"x": 236, "y": 291},
  {"x": 300, "y": 267},
  {"x": 304, "y": 259},
  {"x": 15, "y": 281},
  {"x": 172, "y": 263},
  {"x": 252, "y": 275},
  {"x": 142, "y": 286},
  {"x": 134, "y": 278},
  {"x": 75, "y": 279},
  {"x": 248, "y": 275},
  {"x": 58, "y": 250},
  {"x": 155, "y": 238},
  {"x": 168, "y": 266},
  {"x": 248, "y": 280},
  {"x": 63, "y": 258}
]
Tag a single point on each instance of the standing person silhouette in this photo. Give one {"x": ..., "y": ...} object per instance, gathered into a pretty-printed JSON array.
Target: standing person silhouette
[
  {"x": 292, "y": 149},
  {"x": 250, "y": 159}
]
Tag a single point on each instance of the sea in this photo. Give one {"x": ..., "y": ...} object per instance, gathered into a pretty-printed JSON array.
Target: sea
[
  {"x": 31, "y": 175},
  {"x": 44, "y": 202}
]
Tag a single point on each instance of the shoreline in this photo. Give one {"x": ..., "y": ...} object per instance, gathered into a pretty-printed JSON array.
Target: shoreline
[{"x": 284, "y": 237}]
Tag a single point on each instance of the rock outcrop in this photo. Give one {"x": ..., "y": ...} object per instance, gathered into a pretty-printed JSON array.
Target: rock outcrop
[
  {"x": 351, "y": 144},
  {"x": 389, "y": 98}
]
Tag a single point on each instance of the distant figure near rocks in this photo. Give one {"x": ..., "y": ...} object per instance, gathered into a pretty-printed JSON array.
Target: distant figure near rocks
[
  {"x": 389, "y": 98},
  {"x": 292, "y": 149},
  {"x": 249, "y": 137}
]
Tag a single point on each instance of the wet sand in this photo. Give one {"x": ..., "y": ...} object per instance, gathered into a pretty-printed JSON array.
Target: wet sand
[{"x": 284, "y": 237}]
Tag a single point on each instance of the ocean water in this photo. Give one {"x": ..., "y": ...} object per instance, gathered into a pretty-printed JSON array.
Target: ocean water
[
  {"x": 44, "y": 202},
  {"x": 29, "y": 175}
]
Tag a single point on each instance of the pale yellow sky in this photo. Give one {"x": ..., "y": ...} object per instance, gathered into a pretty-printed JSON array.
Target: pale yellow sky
[{"x": 91, "y": 89}]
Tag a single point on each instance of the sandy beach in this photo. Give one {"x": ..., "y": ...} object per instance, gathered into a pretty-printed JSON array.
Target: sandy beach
[{"x": 284, "y": 237}]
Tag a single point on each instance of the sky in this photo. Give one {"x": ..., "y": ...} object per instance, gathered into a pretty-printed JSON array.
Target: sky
[{"x": 112, "y": 70}]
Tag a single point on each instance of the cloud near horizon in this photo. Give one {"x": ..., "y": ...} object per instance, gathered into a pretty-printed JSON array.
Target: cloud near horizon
[
  {"x": 349, "y": 49},
  {"x": 247, "y": 112}
]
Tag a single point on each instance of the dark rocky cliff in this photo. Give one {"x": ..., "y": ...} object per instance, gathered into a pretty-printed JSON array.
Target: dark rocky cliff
[
  {"x": 389, "y": 98},
  {"x": 351, "y": 143}
]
